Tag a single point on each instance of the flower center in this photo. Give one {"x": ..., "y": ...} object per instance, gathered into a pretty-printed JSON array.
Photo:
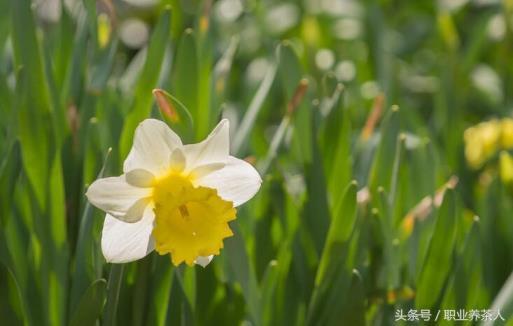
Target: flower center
[{"x": 189, "y": 221}]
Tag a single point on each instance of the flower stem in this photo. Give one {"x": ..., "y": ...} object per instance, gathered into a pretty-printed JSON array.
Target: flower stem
[{"x": 114, "y": 285}]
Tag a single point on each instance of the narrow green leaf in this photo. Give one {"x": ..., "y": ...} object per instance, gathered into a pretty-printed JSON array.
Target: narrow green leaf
[
  {"x": 468, "y": 271},
  {"x": 276, "y": 142},
  {"x": 4, "y": 22},
  {"x": 187, "y": 279},
  {"x": 382, "y": 167},
  {"x": 279, "y": 135},
  {"x": 102, "y": 67},
  {"x": 353, "y": 312},
  {"x": 398, "y": 156},
  {"x": 9, "y": 172},
  {"x": 84, "y": 269},
  {"x": 91, "y": 304},
  {"x": 11, "y": 305},
  {"x": 340, "y": 173},
  {"x": 503, "y": 302},
  {"x": 289, "y": 67},
  {"x": 205, "y": 43},
  {"x": 73, "y": 79},
  {"x": 391, "y": 252},
  {"x": 147, "y": 81},
  {"x": 185, "y": 75},
  {"x": 333, "y": 275},
  {"x": 221, "y": 75},
  {"x": 58, "y": 232},
  {"x": 251, "y": 114},
  {"x": 162, "y": 278},
  {"x": 316, "y": 214},
  {"x": 114, "y": 286},
  {"x": 243, "y": 272},
  {"x": 32, "y": 104},
  {"x": 331, "y": 116},
  {"x": 57, "y": 205},
  {"x": 342, "y": 223},
  {"x": 438, "y": 261}
]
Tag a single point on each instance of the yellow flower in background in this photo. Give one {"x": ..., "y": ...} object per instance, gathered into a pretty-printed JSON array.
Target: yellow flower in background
[
  {"x": 104, "y": 30},
  {"x": 507, "y": 133},
  {"x": 506, "y": 167},
  {"x": 174, "y": 198},
  {"x": 486, "y": 139}
]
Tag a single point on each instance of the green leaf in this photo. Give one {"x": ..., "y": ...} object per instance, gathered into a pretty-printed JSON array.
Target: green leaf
[
  {"x": 276, "y": 142},
  {"x": 185, "y": 76},
  {"x": 58, "y": 232},
  {"x": 147, "y": 81},
  {"x": 101, "y": 69},
  {"x": 342, "y": 224},
  {"x": 503, "y": 302},
  {"x": 289, "y": 67},
  {"x": 187, "y": 279},
  {"x": 243, "y": 272},
  {"x": 114, "y": 286},
  {"x": 281, "y": 131},
  {"x": 384, "y": 158},
  {"x": 91, "y": 304},
  {"x": 221, "y": 76},
  {"x": 340, "y": 173},
  {"x": 11, "y": 305},
  {"x": 333, "y": 275},
  {"x": 72, "y": 81},
  {"x": 251, "y": 114},
  {"x": 32, "y": 102},
  {"x": 438, "y": 260},
  {"x": 205, "y": 42},
  {"x": 162, "y": 280},
  {"x": 353, "y": 312},
  {"x": 316, "y": 212},
  {"x": 9, "y": 172},
  {"x": 84, "y": 266},
  {"x": 57, "y": 205},
  {"x": 332, "y": 117},
  {"x": 468, "y": 271},
  {"x": 391, "y": 251}
]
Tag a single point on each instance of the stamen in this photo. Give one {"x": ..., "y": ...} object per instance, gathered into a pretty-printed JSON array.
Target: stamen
[{"x": 183, "y": 211}]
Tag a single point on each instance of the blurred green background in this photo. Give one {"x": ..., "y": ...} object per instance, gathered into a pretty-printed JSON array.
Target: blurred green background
[{"x": 381, "y": 129}]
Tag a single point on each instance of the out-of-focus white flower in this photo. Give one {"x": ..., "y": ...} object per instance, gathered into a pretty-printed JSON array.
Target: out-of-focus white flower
[
  {"x": 345, "y": 70},
  {"x": 134, "y": 33},
  {"x": 324, "y": 59},
  {"x": 486, "y": 79},
  {"x": 174, "y": 198}
]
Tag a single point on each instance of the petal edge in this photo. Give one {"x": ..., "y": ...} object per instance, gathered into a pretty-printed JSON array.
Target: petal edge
[
  {"x": 125, "y": 242},
  {"x": 237, "y": 182}
]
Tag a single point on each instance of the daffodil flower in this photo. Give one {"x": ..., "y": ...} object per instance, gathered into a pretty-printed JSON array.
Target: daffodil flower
[{"x": 173, "y": 198}]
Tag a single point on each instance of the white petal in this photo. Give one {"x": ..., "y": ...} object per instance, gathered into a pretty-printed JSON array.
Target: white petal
[
  {"x": 125, "y": 242},
  {"x": 136, "y": 211},
  {"x": 216, "y": 148},
  {"x": 153, "y": 143},
  {"x": 237, "y": 182},
  {"x": 177, "y": 160},
  {"x": 202, "y": 170},
  {"x": 116, "y": 197},
  {"x": 140, "y": 178},
  {"x": 203, "y": 261}
]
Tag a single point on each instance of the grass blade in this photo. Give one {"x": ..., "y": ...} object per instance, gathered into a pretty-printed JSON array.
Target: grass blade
[
  {"x": 438, "y": 262},
  {"x": 249, "y": 119},
  {"x": 91, "y": 304}
]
